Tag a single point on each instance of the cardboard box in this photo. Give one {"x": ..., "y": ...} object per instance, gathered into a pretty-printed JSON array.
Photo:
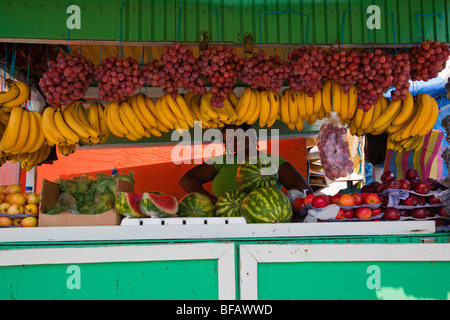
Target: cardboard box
[{"x": 50, "y": 192}]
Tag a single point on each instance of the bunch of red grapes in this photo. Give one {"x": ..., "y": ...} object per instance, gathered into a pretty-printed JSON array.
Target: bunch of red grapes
[
  {"x": 402, "y": 74},
  {"x": 376, "y": 77},
  {"x": 220, "y": 67},
  {"x": 343, "y": 67},
  {"x": 263, "y": 71},
  {"x": 118, "y": 78},
  {"x": 307, "y": 67},
  {"x": 428, "y": 59},
  {"x": 67, "y": 79},
  {"x": 178, "y": 68}
]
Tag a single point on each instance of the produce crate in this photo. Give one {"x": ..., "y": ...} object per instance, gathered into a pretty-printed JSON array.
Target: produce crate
[{"x": 50, "y": 192}]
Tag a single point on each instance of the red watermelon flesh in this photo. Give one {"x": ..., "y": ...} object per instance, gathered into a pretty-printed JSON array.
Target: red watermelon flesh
[
  {"x": 128, "y": 204},
  {"x": 159, "y": 205}
]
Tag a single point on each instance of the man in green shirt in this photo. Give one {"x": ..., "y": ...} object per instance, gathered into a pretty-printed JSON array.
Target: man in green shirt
[{"x": 221, "y": 170}]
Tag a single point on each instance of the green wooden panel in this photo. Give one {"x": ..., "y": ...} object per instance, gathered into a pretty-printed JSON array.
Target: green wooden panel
[
  {"x": 184, "y": 280},
  {"x": 349, "y": 280}
]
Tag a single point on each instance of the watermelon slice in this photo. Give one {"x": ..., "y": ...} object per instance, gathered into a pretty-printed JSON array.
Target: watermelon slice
[
  {"x": 127, "y": 204},
  {"x": 157, "y": 204}
]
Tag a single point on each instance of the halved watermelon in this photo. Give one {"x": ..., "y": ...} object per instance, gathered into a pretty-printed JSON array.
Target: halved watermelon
[
  {"x": 157, "y": 204},
  {"x": 128, "y": 204}
]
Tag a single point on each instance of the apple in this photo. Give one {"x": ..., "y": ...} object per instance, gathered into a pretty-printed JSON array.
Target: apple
[
  {"x": 3, "y": 188},
  {"x": 411, "y": 200},
  {"x": 430, "y": 212},
  {"x": 16, "y": 222},
  {"x": 31, "y": 208},
  {"x": 363, "y": 213},
  {"x": 367, "y": 188},
  {"x": 422, "y": 187},
  {"x": 346, "y": 200},
  {"x": 433, "y": 200},
  {"x": 320, "y": 201},
  {"x": 405, "y": 184},
  {"x": 340, "y": 215},
  {"x": 412, "y": 174},
  {"x": 17, "y": 198},
  {"x": 421, "y": 200},
  {"x": 298, "y": 203},
  {"x": 13, "y": 188},
  {"x": 379, "y": 188},
  {"x": 33, "y": 198},
  {"x": 385, "y": 201},
  {"x": 349, "y": 214},
  {"x": 6, "y": 221},
  {"x": 391, "y": 214},
  {"x": 335, "y": 198},
  {"x": 388, "y": 175},
  {"x": 418, "y": 213},
  {"x": 393, "y": 184},
  {"x": 433, "y": 184},
  {"x": 15, "y": 209},
  {"x": 404, "y": 212},
  {"x": 28, "y": 222},
  {"x": 376, "y": 211},
  {"x": 4, "y": 207},
  {"x": 371, "y": 198},
  {"x": 359, "y": 200},
  {"x": 309, "y": 198},
  {"x": 442, "y": 212}
]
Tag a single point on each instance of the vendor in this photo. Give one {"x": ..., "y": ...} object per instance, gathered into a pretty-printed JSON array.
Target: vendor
[{"x": 223, "y": 173}]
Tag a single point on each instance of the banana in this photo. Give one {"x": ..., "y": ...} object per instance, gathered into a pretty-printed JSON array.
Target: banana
[
  {"x": 321, "y": 113},
  {"x": 154, "y": 112},
  {"x": 12, "y": 93},
  {"x": 166, "y": 110},
  {"x": 309, "y": 101},
  {"x": 405, "y": 132},
  {"x": 353, "y": 128},
  {"x": 265, "y": 108},
  {"x": 188, "y": 96},
  {"x": 299, "y": 125},
  {"x": 317, "y": 101},
  {"x": 23, "y": 133},
  {"x": 174, "y": 107},
  {"x": 291, "y": 126},
  {"x": 195, "y": 107},
  {"x": 223, "y": 115},
  {"x": 387, "y": 115},
  {"x": 71, "y": 120},
  {"x": 134, "y": 105},
  {"x": 376, "y": 114},
  {"x": 274, "y": 107},
  {"x": 284, "y": 105},
  {"x": 4, "y": 117},
  {"x": 103, "y": 127},
  {"x": 344, "y": 105},
  {"x": 243, "y": 103},
  {"x": 185, "y": 110},
  {"x": 313, "y": 118},
  {"x": 233, "y": 99},
  {"x": 205, "y": 106},
  {"x": 12, "y": 130},
  {"x": 257, "y": 109},
  {"x": 359, "y": 115},
  {"x": 230, "y": 110},
  {"x": 387, "y": 125},
  {"x": 39, "y": 132},
  {"x": 407, "y": 110},
  {"x": 51, "y": 132},
  {"x": 80, "y": 116},
  {"x": 114, "y": 120},
  {"x": 252, "y": 107},
  {"x": 147, "y": 108},
  {"x": 294, "y": 115},
  {"x": 301, "y": 103},
  {"x": 24, "y": 95},
  {"x": 424, "y": 114},
  {"x": 110, "y": 124},
  {"x": 126, "y": 117},
  {"x": 336, "y": 97},
  {"x": 352, "y": 102},
  {"x": 326, "y": 95},
  {"x": 70, "y": 136},
  {"x": 161, "y": 115},
  {"x": 417, "y": 144},
  {"x": 367, "y": 119},
  {"x": 431, "y": 119},
  {"x": 93, "y": 116}
]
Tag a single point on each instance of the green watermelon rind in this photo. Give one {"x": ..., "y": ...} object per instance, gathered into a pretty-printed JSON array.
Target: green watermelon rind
[
  {"x": 195, "y": 204},
  {"x": 229, "y": 204},
  {"x": 249, "y": 178},
  {"x": 123, "y": 207},
  {"x": 266, "y": 205},
  {"x": 150, "y": 209}
]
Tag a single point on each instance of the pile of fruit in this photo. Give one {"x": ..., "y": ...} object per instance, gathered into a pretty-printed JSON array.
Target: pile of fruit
[{"x": 18, "y": 209}]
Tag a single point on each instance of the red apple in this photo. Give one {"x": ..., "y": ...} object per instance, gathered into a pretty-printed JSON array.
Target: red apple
[
  {"x": 385, "y": 201},
  {"x": 412, "y": 174},
  {"x": 298, "y": 203},
  {"x": 320, "y": 201},
  {"x": 13, "y": 188},
  {"x": 422, "y": 187},
  {"x": 442, "y": 212},
  {"x": 309, "y": 198},
  {"x": 6, "y": 221},
  {"x": 346, "y": 200},
  {"x": 421, "y": 200},
  {"x": 433, "y": 200},
  {"x": 371, "y": 198},
  {"x": 367, "y": 188},
  {"x": 33, "y": 198},
  {"x": 388, "y": 175},
  {"x": 359, "y": 200},
  {"x": 376, "y": 211},
  {"x": 433, "y": 184},
  {"x": 391, "y": 214},
  {"x": 340, "y": 215},
  {"x": 411, "y": 200},
  {"x": 349, "y": 214},
  {"x": 403, "y": 212},
  {"x": 405, "y": 184},
  {"x": 15, "y": 209},
  {"x": 393, "y": 184},
  {"x": 335, "y": 198},
  {"x": 418, "y": 213},
  {"x": 363, "y": 213},
  {"x": 379, "y": 188}
]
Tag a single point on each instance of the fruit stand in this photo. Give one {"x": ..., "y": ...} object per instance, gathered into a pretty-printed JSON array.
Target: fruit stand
[{"x": 123, "y": 79}]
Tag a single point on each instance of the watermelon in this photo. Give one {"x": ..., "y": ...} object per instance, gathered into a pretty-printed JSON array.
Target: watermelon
[
  {"x": 229, "y": 204},
  {"x": 266, "y": 205},
  {"x": 195, "y": 205},
  {"x": 157, "y": 204},
  {"x": 127, "y": 204},
  {"x": 249, "y": 176}
]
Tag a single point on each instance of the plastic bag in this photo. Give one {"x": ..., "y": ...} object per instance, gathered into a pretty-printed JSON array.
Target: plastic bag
[{"x": 333, "y": 148}]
